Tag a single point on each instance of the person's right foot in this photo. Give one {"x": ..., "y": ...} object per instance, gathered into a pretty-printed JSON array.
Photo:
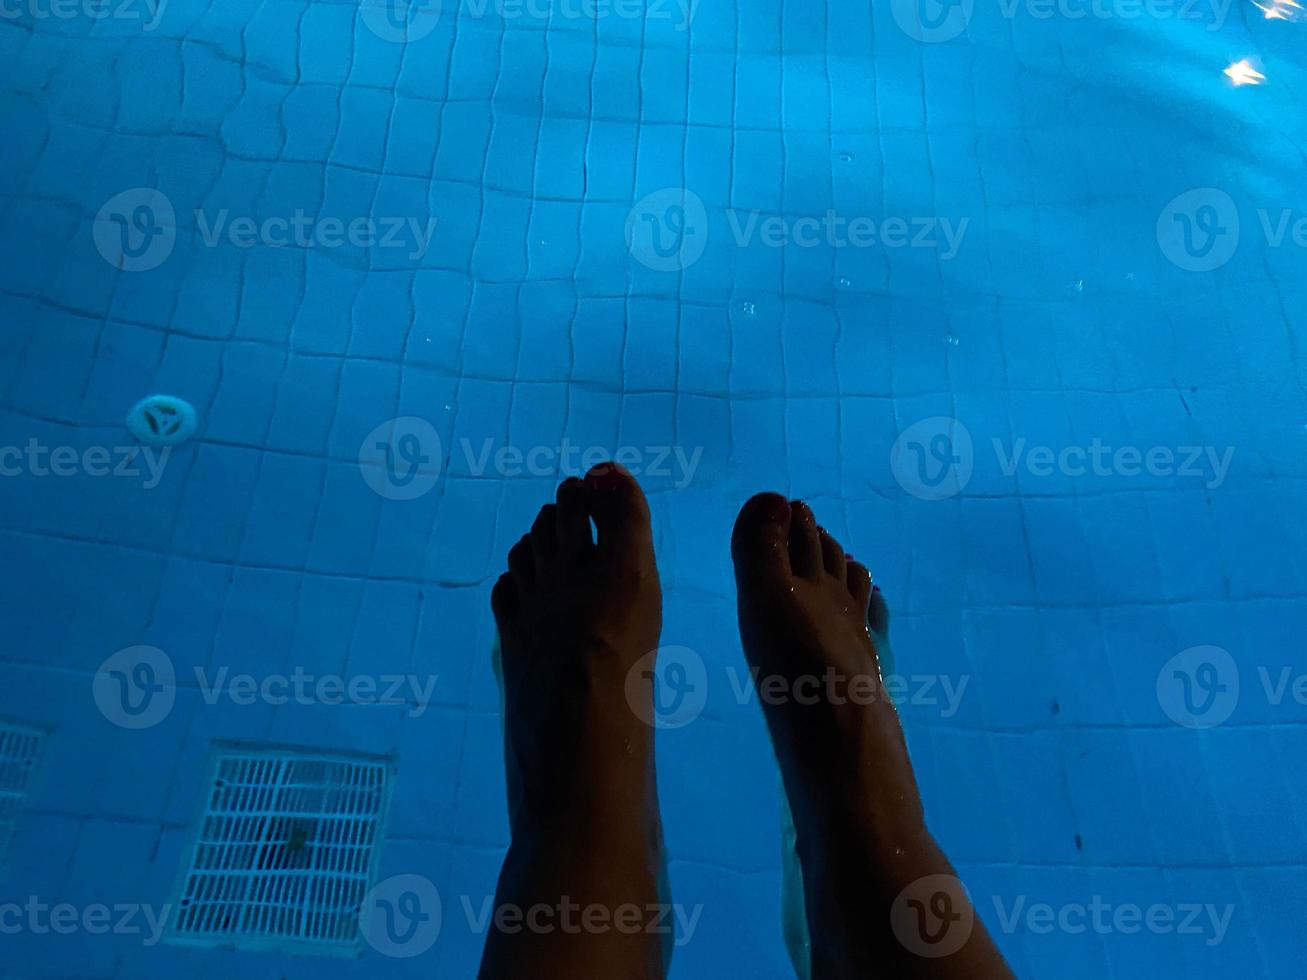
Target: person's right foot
[
  {"x": 804, "y": 615},
  {"x": 810, "y": 623}
]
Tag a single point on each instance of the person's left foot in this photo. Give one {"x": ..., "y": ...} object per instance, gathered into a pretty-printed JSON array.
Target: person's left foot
[{"x": 576, "y": 612}]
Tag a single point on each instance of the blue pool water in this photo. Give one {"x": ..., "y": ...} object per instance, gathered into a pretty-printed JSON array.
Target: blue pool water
[{"x": 970, "y": 279}]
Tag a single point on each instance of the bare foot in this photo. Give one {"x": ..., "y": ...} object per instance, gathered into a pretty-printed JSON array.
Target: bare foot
[
  {"x": 866, "y": 857},
  {"x": 803, "y": 607},
  {"x": 576, "y": 611}
]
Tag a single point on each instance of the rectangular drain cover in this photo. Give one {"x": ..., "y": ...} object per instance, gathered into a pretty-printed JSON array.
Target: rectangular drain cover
[
  {"x": 19, "y": 748},
  {"x": 285, "y": 851}
]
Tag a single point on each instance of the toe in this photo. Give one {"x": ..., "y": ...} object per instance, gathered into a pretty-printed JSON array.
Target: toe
[
  {"x": 573, "y": 517},
  {"x": 544, "y": 536},
  {"x": 521, "y": 562},
  {"x": 759, "y": 541},
  {"x": 859, "y": 582},
  {"x": 805, "y": 541},
  {"x": 620, "y": 512},
  {"x": 832, "y": 555}
]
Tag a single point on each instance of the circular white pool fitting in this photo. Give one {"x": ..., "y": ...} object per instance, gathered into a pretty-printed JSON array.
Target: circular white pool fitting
[{"x": 162, "y": 420}]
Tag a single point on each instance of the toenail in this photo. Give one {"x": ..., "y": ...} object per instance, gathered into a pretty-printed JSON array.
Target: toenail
[
  {"x": 848, "y": 557},
  {"x": 606, "y": 476},
  {"x": 875, "y": 588}
]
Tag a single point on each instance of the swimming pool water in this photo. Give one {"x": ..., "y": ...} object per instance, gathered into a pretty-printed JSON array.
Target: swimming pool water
[{"x": 1012, "y": 292}]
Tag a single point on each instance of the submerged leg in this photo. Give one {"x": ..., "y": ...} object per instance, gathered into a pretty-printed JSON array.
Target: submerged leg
[
  {"x": 881, "y": 899},
  {"x": 579, "y": 892}
]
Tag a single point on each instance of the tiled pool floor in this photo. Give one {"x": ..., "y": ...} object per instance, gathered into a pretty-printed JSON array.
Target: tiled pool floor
[{"x": 1040, "y": 292}]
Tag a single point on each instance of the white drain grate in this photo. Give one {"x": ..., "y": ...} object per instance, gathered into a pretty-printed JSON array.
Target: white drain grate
[
  {"x": 285, "y": 851},
  {"x": 19, "y": 748}
]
